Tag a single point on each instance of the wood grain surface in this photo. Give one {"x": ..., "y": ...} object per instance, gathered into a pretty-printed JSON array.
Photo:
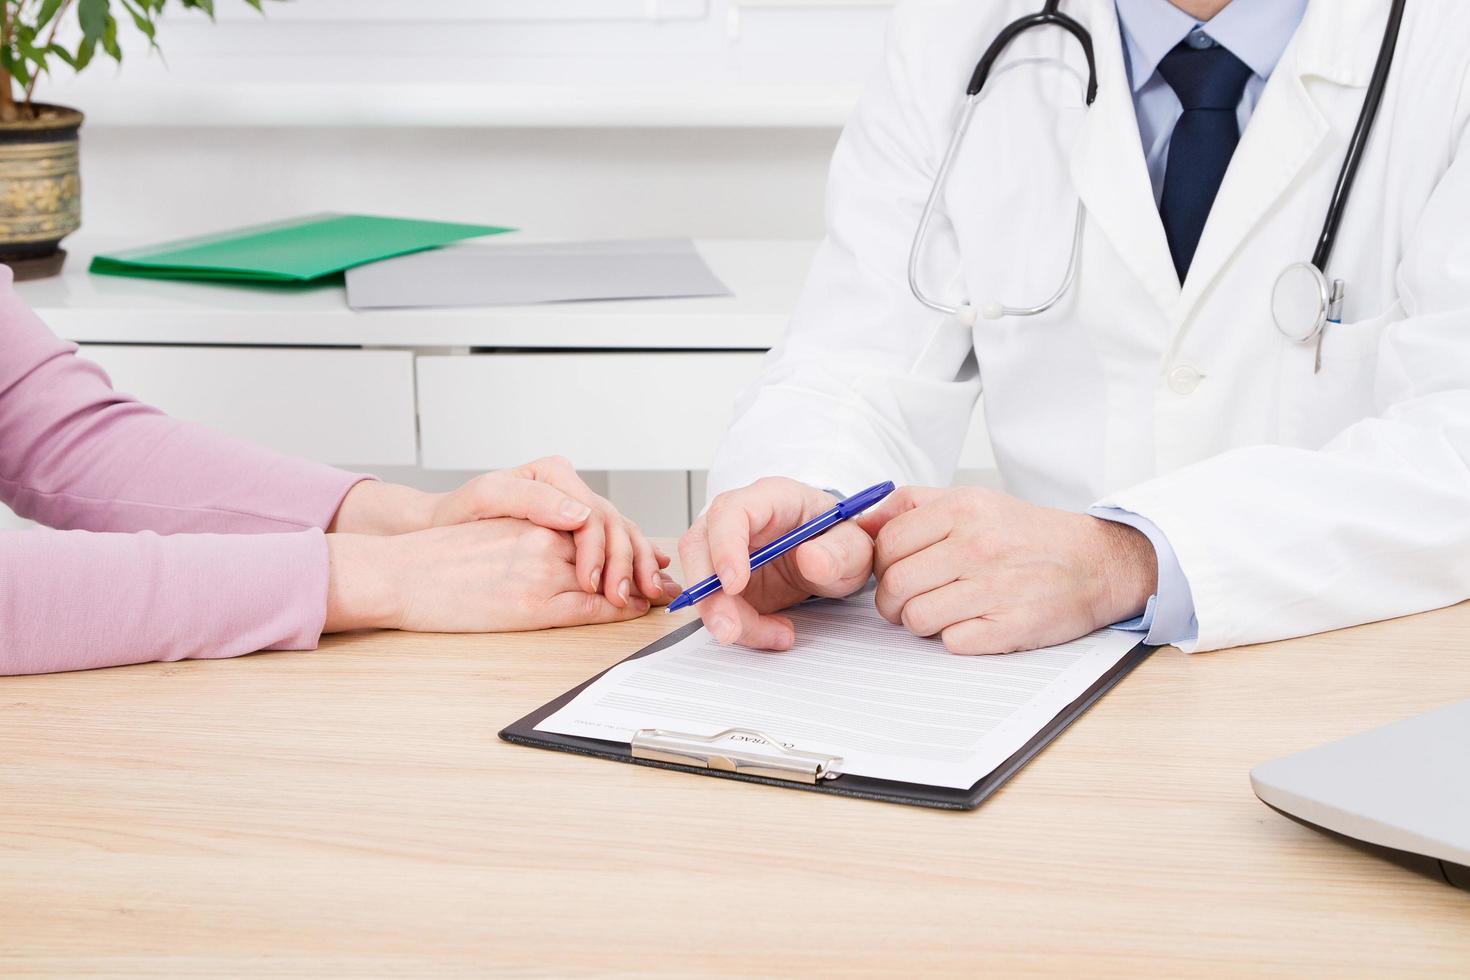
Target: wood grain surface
[{"x": 350, "y": 811}]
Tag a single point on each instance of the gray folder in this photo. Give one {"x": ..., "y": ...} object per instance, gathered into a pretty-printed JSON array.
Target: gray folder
[{"x": 518, "y": 275}]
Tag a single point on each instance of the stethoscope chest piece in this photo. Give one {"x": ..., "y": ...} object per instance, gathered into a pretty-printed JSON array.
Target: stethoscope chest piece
[{"x": 1301, "y": 301}]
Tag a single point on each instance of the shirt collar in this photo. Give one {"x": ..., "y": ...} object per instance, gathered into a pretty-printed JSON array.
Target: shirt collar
[{"x": 1255, "y": 31}]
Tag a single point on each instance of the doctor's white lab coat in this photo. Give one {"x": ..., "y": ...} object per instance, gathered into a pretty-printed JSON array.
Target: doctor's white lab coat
[{"x": 1295, "y": 502}]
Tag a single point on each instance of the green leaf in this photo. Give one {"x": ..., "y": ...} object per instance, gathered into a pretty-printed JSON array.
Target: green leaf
[
  {"x": 18, "y": 69},
  {"x": 47, "y": 11},
  {"x": 85, "y": 51},
  {"x": 32, "y": 21},
  {"x": 109, "y": 39},
  {"x": 142, "y": 22},
  {"x": 93, "y": 16},
  {"x": 63, "y": 54},
  {"x": 24, "y": 53}
]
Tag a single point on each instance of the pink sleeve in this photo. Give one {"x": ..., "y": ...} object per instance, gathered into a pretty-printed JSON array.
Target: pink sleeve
[
  {"x": 76, "y": 454},
  {"x": 71, "y": 600}
]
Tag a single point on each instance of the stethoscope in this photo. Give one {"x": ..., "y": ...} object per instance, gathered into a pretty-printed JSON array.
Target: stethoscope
[{"x": 1303, "y": 300}]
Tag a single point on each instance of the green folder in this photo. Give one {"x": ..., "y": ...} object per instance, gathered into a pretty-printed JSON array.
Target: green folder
[{"x": 294, "y": 251}]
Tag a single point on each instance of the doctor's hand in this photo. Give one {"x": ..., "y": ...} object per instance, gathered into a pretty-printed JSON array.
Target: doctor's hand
[
  {"x": 992, "y": 574},
  {"x": 477, "y": 577},
  {"x": 614, "y": 556},
  {"x": 836, "y": 564}
]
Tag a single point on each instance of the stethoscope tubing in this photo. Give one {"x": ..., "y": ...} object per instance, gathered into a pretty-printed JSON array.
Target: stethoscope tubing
[
  {"x": 1372, "y": 99},
  {"x": 1331, "y": 293}
]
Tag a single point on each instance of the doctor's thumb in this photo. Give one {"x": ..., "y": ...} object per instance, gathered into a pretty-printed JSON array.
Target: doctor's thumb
[
  {"x": 838, "y": 562},
  {"x": 900, "y": 502}
]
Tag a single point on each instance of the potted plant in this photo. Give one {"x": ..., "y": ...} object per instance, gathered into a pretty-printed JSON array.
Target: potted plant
[{"x": 40, "y": 191}]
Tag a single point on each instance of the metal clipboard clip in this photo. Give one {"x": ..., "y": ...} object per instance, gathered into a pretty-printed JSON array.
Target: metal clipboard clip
[{"x": 738, "y": 750}]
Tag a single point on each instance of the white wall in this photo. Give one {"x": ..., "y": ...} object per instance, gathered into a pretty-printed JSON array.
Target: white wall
[
  {"x": 150, "y": 182},
  {"x": 485, "y": 62},
  {"x": 709, "y": 118}
]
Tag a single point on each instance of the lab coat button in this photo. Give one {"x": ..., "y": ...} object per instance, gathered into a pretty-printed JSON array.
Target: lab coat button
[{"x": 1183, "y": 379}]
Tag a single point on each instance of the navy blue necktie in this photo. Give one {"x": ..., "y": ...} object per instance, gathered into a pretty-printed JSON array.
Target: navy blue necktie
[{"x": 1209, "y": 83}]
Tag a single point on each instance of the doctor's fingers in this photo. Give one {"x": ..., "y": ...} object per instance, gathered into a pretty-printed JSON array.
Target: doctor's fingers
[
  {"x": 899, "y": 502},
  {"x": 910, "y": 533},
  {"x": 694, "y": 559},
  {"x": 933, "y": 612},
  {"x": 916, "y": 576},
  {"x": 836, "y": 564},
  {"x": 742, "y": 520},
  {"x": 727, "y": 537},
  {"x": 985, "y": 636},
  {"x": 732, "y": 620}
]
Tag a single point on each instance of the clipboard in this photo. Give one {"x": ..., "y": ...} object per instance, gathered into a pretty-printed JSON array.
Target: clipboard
[{"x": 760, "y": 757}]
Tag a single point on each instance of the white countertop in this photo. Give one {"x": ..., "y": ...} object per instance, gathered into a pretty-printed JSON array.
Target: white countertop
[{"x": 765, "y": 276}]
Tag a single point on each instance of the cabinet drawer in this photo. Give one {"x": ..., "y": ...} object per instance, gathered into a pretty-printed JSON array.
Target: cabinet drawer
[
  {"x": 604, "y": 411},
  {"x": 337, "y": 406}
]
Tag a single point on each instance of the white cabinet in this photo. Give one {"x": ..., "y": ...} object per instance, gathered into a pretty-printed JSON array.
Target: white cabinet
[
  {"x": 337, "y": 406},
  {"x": 606, "y": 410}
]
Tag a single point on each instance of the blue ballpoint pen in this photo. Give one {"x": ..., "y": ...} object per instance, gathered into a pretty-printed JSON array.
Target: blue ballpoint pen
[{"x": 851, "y": 507}]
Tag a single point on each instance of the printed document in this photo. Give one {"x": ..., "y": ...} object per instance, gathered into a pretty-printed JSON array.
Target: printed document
[{"x": 890, "y": 704}]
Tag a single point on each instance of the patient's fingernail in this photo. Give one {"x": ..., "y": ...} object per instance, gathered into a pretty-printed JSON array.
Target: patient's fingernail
[
  {"x": 722, "y": 628},
  {"x": 727, "y": 574},
  {"x": 574, "y": 511},
  {"x": 596, "y": 577},
  {"x": 623, "y": 590}
]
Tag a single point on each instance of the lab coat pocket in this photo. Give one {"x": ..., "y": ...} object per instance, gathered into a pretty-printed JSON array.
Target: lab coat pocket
[{"x": 1315, "y": 407}]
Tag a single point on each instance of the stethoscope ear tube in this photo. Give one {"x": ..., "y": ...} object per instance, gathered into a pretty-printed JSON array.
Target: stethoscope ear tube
[{"x": 1048, "y": 16}]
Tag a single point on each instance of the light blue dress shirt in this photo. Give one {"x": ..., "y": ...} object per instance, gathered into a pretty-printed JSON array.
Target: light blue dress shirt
[{"x": 1256, "y": 32}]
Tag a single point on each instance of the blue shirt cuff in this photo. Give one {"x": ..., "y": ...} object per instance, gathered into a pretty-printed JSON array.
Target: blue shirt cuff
[{"x": 1169, "y": 615}]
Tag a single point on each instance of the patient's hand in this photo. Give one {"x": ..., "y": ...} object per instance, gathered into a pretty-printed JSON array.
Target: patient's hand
[
  {"x": 483, "y": 576},
  {"x": 613, "y": 556}
]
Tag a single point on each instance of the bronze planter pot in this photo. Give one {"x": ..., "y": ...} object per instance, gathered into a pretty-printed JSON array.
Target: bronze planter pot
[{"x": 40, "y": 190}]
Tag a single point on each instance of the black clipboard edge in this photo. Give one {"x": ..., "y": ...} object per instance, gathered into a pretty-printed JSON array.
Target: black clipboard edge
[{"x": 523, "y": 732}]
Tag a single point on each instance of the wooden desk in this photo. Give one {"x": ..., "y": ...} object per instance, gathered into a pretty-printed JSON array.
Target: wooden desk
[{"x": 351, "y": 811}]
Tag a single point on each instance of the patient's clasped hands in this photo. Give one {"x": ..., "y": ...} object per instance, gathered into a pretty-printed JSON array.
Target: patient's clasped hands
[
  {"x": 528, "y": 548},
  {"x": 982, "y": 570}
]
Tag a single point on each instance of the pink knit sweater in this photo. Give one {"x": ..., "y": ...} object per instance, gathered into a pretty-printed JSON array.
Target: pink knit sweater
[{"x": 171, "y": 541}]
